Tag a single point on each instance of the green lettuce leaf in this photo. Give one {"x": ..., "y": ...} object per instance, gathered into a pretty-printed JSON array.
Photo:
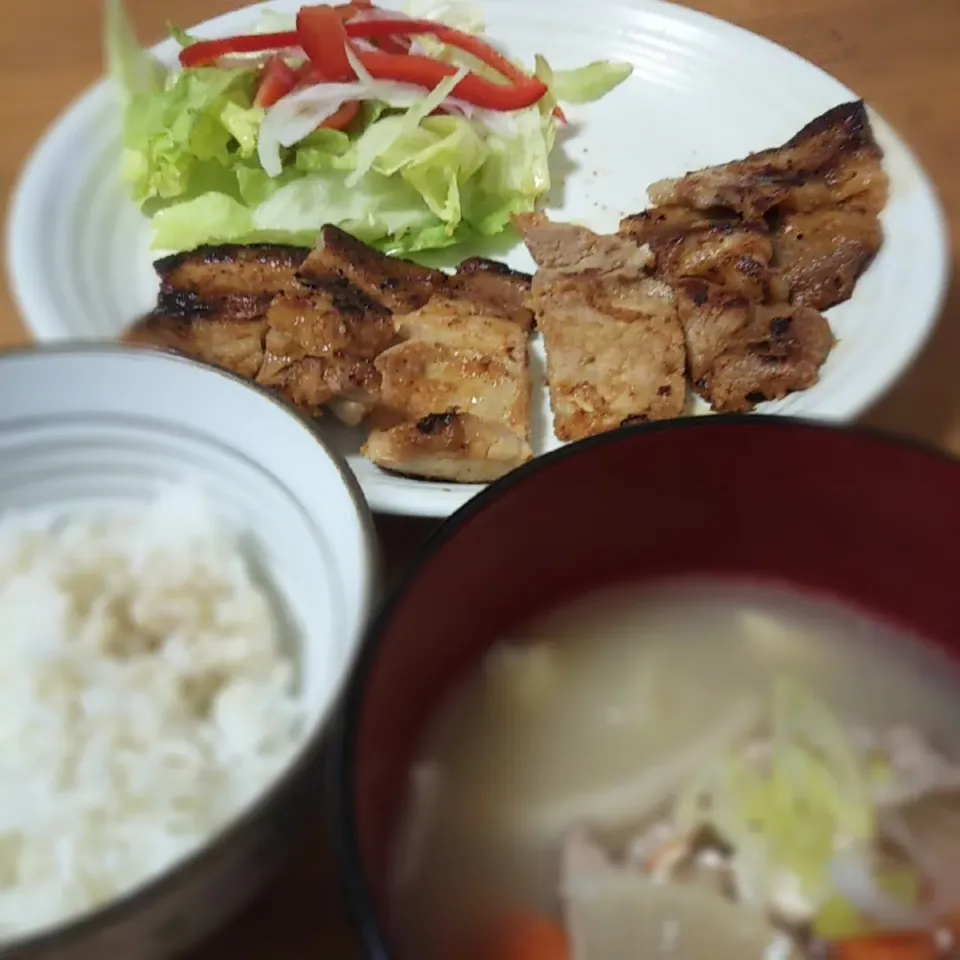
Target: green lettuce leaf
[
  {"x": 405, "y": 181},
  {"x": 135, "y": 71},
  {"x": 589, "y": 83},
  {"x": 190, "y": 135},
  {"x": 584, "y": 84}
]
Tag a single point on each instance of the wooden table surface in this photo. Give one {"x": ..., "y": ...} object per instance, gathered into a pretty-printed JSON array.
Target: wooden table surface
[{"x": 902, "y": 58}]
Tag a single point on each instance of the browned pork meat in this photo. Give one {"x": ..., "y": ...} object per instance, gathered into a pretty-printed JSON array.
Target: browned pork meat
[
  {"x": 456, "y": 447},
  {"x": 717, "y": 247},
  {"x": 320, "y": 347},
  {"x": 741, "y": 353},
  {"x": 833, "y": 158},
  {"x": 821, "y": 254},
  {"x": 213, "y": 301},
  {"x": 442, "y": 359},
  {"x": 232, "y": 343},
  {"x": 803, "y": 217},
  {"x": 796, "y": 225},
  {"x": 397, "y": 284},
  {"x": 614, "y": 345},
  {"x": 565, "y": 248},
  {"x": 493, "y": 288},
  {"x": 242, "y": 308},
  {"x": 455, "y": 395},
  {"x": 215, "y": 272},
  {"x": 310, "y": 325}
]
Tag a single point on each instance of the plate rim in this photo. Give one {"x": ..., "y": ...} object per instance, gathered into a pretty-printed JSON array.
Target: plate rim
[{"x": 397, "y": 495}]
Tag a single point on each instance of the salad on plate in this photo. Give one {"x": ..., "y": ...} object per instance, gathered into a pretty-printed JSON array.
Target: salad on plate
[{"x": 411, "y": 131}]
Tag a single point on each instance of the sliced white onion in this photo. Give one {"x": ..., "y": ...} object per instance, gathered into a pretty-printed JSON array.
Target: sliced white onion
[
  {"x": 298, "y": 114},
  {"x": 365, "y": 45},
  {"x": 417, "y": 48},
  {"x": 363, "y": 75},
  {"x": 244, "y": 61},
  {"x": 375, "y": 13},
  {"x": 450, "y": 103},
  {"x": 272, "y": 21}
]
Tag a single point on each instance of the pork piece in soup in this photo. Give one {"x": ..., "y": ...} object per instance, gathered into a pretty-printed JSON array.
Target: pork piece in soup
[{"x": 699, "y": 772}]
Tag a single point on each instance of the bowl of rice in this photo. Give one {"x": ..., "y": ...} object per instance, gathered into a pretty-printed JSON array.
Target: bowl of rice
[{"x": 185, "y": 572}]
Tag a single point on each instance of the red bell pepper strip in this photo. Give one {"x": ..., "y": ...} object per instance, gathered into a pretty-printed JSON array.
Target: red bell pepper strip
[
  {"x": 488, "y": 55},
  {"x": 205, "y": 52},
  {"x": 307, "y": 75},
  {"x": 482, "y": 51},
  {"x": 276, "y": 81},
  {"x": 391, "y": 44},
  {"x": 343, "y": 116},
  {"x": 322, "y": 33},
  {"x": 377, "y": 29},
  {"x": 424, "y": 72},
  {"x": 324, "y": 41},
  {"x": 209, "y": 51}
]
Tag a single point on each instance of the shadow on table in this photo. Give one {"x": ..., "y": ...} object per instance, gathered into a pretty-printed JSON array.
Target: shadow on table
[
  {"x": 400, "y": 541},
  {"x": 303, "y": 915},
  {"x": 925, "y": 403}
]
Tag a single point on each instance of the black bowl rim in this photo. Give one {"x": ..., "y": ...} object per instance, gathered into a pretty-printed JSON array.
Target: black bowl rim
[
  {"x": 343, "y": 742},
  {"x": 307, "y": 758}
]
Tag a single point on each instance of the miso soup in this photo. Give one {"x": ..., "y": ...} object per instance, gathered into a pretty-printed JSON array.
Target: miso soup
[{"x": 688, "y": 772}]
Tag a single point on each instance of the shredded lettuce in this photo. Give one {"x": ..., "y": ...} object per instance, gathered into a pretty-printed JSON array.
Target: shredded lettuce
[
  {"x": 401, "y": 179},
  {"x": 182, "y": 38},
  {"x": 190, "y": 137},
  {"x": 135, "y": 71},
  {"x": 464, "y": 15},
  {"x": 589, "y": 83},
  {"x": 272, "y": 21}
]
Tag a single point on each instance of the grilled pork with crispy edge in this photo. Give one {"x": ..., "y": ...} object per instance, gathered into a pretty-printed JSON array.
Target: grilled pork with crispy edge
[
  {"x": 812, "y": 207},
  {"x": 613, "y": 341},
  {"x": 312, "y": 325}
]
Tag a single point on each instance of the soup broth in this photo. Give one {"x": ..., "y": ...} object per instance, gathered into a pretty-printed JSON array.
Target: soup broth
[{"x": 691, "y": 771}]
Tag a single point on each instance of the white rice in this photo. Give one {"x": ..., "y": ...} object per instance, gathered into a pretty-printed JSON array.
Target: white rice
[{"x": 145, "y": 698}]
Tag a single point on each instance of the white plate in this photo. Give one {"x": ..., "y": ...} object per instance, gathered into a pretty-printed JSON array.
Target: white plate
[{"x": 703, "y": 92}]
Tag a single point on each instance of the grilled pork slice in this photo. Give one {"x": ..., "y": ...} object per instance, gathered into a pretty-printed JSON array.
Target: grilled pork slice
[
  {"x": 614, "y": 345},
  {"x": 320, "y": 346},
  {"x": 227, "y": 333},
  {"x": 456, "y": 447},
  {"x": 831, "y": 159},
  {"x": 741, "y": 354},
  {"x": 565, "y": 248},
  {"x": 455, "y": 396},
  {"x": 714, "y": 246},
  {"x": 397, "y": 284},
  {"x": 402, "y": 286},
  {"x": 212, "y": 273},
  {"x": 822, "y": 253},
  {"x": 492, "y": 288},
  {"x": 213, "y": 301},
  {"x": 611, "y": 365},
  {"x": 481, "y": 266}
]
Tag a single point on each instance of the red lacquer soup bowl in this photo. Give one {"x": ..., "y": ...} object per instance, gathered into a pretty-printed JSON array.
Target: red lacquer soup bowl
[{"x": 872, "y": 520}]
